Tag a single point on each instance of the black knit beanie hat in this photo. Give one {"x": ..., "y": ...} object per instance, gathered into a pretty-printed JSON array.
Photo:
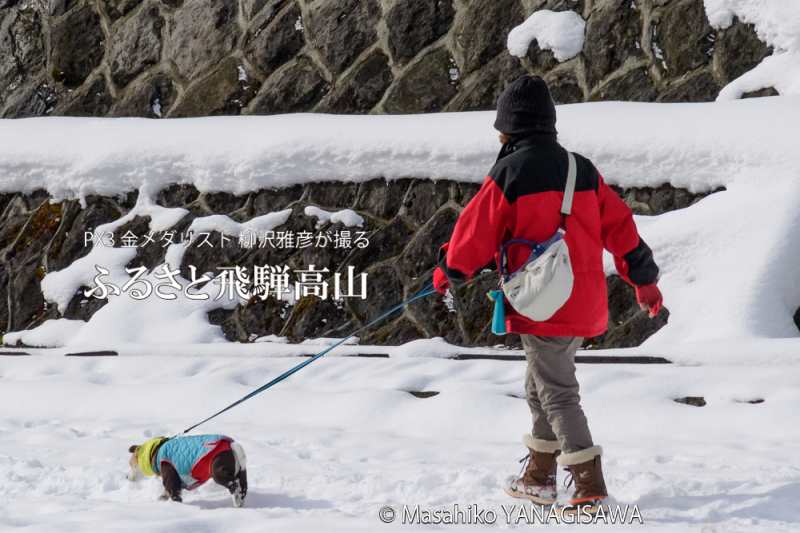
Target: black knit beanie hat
[{"x": 526, "y": 107}]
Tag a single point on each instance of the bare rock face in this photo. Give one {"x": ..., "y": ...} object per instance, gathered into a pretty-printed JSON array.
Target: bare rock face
[
  {"x": 201, "y": 33},
  {"x": 94, "y": 99},
  {"x": 421, "y": 253},
  {"x": 275, "y": 37},
  {"x": 628, "y": 325},
  {"x": 136, "y": 45},
  {"x": 76, "y": 46},
  {"x": 225, "y": 91},
  {"x": 22, "y": 43},
  {"x": 384, "y": 280},
  {"x": 684, "y": 36},
  {"x": 541, "y": 60},
  {"x": 363, "y": 88},
  {"x": 659, "y": 200},
  {"x": 313, "y": 317},
  {"x": 68, "y": 244},
  {"x": 33, "y": 99},
  {"x": 481, "y": 33},
  {"x": 381, "y": 198},
  {"x": 56, "y": 7},
  {"x": 425, "y": 87},
  {"x": 769, "y": 91},
  {"x": 423, "y": 199},
  {"x": 342, "y": 30},
  {"x": 252, "y": 8},
  {"x": 119, "y": 8},
  {"x": 414, "y": 24},
  {"x": 150, "y": 96},
  {"x": 635, "y": 85},
  {"x": 564, "y": 86},
  {"x": 480, "y": 91},
  {"x": 613, "y": 34},
  {"x": 700, "y": 87},
  {"x": 296, "y": 87},
  {"x": 738, "y": 50}
]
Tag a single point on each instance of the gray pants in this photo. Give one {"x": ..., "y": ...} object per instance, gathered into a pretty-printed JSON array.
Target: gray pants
[{"x": 552, "y": 392}]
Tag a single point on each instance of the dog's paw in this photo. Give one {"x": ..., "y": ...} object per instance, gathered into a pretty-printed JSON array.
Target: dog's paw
[{"x": 164, "y": 497}]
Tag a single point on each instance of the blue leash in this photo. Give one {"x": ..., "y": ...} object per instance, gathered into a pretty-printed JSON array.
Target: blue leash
[{"x": 426, "y": 291}]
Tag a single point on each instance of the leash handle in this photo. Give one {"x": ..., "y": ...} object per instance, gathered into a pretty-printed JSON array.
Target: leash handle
[{"x": 426, "y": 291}]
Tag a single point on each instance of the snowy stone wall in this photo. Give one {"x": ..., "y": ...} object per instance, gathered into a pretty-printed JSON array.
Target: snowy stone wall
[
  {"x": 405, "y": 221},
  {"x": 176, "y": 58}
]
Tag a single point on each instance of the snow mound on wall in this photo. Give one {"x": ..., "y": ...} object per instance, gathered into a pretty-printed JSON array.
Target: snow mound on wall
[
  {"x": 347, "y": 217},
  {"x": 695, "y": 146},
  {"x": 777, "y": 23},
  {"x": 559, "y": 31},
  {"x": 781, "y": 71}
]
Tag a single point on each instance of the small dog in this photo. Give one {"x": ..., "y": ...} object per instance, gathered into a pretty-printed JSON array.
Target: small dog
[{"x": 188, "y": 462}]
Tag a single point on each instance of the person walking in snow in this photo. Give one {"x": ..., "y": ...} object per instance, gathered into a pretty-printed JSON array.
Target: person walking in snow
[{"x": 521, "y": 198}]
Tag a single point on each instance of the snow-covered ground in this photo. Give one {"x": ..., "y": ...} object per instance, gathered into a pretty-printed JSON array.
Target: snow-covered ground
[{"x": 329, "y": 448}]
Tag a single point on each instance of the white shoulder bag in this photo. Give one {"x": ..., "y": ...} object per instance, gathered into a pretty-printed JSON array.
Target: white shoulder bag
[{"x": 544, "y": 283}]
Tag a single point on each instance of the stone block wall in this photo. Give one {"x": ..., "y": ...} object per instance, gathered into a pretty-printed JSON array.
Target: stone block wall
[
  {"x": 405, "y": 221},
  {"x": 179, "y": 58}
]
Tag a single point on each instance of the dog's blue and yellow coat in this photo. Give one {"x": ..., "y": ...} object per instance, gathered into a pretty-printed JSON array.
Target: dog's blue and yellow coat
[{"x": 190, "y": 456}]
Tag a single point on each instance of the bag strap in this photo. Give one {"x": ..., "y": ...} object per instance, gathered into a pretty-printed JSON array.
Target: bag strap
[
  {"x": 569, "y": 189},
  {"x": 536, "y": 248}
]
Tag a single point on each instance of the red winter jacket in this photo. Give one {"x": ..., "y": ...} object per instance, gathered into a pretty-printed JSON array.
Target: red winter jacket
[{"x": 521, "y": 199}]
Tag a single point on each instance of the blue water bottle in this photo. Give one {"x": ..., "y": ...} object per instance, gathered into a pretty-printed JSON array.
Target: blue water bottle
[{"x": 499, "y": 315}]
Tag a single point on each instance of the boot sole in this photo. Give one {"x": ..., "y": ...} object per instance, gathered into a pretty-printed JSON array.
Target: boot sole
[
  {"x": 590, "y": 507},
  {"x": 524, "y": 496}
]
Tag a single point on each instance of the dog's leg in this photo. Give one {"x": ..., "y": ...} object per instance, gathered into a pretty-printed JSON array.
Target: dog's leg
[
  {"x": 172, "y": 483},
  {"x": 241, "y": 468},
  {"x": 241, "y": 477},
  {"x": 224, "y": 471}
]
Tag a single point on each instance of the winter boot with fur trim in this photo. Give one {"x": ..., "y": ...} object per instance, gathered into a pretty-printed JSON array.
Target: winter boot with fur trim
[
  {"x": 587, "y": 474},
  {"x": 538, "y": 481}
]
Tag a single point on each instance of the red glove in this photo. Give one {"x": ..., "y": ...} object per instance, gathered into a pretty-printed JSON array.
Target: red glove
[
  {"x": 649, "y": 298},
  {"x": 440, "y": 281}
]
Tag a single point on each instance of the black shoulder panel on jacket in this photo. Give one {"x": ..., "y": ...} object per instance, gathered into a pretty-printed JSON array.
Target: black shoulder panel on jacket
[{"x": 540, "y": 168}]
